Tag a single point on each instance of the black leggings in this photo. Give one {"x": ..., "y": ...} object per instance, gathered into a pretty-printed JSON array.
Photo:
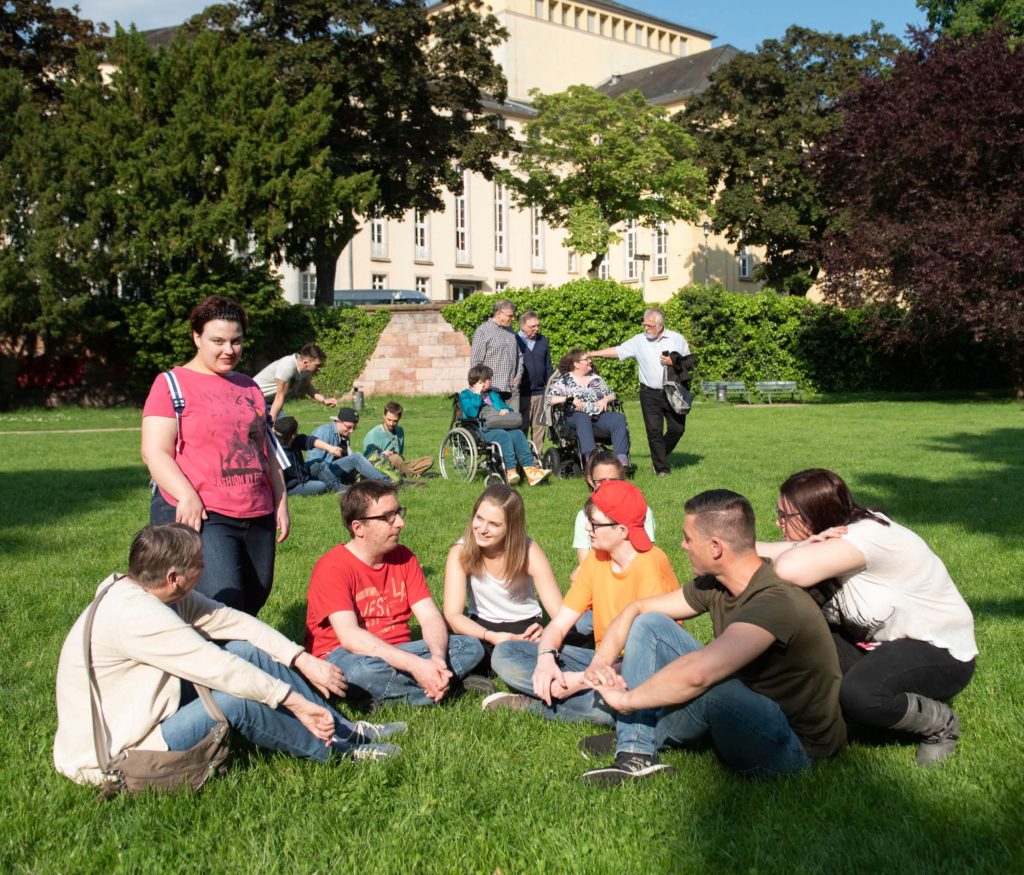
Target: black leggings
[{"x": 875, "y": 682}]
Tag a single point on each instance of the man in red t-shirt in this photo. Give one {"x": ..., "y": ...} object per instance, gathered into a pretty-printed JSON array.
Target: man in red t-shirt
[{"x": 360, "y": 598}]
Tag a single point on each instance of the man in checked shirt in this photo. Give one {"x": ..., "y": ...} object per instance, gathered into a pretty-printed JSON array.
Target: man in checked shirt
[{"x": 494, "y": 345}]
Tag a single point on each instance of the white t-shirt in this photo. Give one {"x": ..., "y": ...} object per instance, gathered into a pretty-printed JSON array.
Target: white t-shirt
[
  {"x": 904, "y": 591},
  {"x": 285, "y": 369},
  {"x": 648, "y": 352},
  {"x": 501, "y": 601},
  {"x": 581, "y": 538}
]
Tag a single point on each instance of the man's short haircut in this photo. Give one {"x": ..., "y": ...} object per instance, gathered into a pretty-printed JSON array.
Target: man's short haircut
[
  {"x": 599, "y": 457},
  {"x": 478, "y": 373},
  {"x": 527, "y": 315},
  {"x": 724, "y": 514},
  {"x": 312, "y": 351},
  {"x": 156, "y": 550},
  {"x": 501, "y": 305},
  {"x": 356, "y": 501},
  {"x": 657, "y": 313},
  {"x": 393, "y": 407}
]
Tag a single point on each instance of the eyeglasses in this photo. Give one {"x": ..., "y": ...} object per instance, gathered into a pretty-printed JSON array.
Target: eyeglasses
[
  {"x": 592, "y": 525},
  {"x": 595, "y": 483},
  {"x": 388, "y": 517},
  {"x": 782, "y": 516}
]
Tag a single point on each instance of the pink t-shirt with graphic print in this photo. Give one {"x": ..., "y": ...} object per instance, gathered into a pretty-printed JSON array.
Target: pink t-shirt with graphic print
[{"x": 224, "y": 452}]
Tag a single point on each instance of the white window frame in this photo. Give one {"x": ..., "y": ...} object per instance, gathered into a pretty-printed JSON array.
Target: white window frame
[
  {"x": 746, "y": 264},
  {"x": 500, "y": 285},
  {"x": 659, "y": 246},
  {"x": 501, "y": 216},
  {"x": 536, "y": 239},
  {"x": 307, "y": 286},
  {"x": 538, "y": 8},
  {"x": 378, "y": 237},
  {"x": 604, "y": 270},
  {"x": 423, "y": 285},
  {"x": 462, "y": 240},
  {"x": 629, "y": 251},
  {"x": 573, "y": 262},
  {"x": 378, "y": 281},
  {"x": 421, "y": 236}
]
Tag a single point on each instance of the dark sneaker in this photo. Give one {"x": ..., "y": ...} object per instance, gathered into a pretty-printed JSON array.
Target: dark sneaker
[
  {"x": 477, "y": 683},
  {"x": 506, "y": 702},
  {"x": 370, "y": 752},
  {"x": 594, "y": 746},
  {"x": 364, "y": 731},
  {"x": 627, "y": 767},
  {"x": 939, "y": 747}
]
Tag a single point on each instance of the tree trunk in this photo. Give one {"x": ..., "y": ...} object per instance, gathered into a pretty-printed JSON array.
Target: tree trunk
[
  {"x": 326, "y": 268},
  {"x": 595, "y": 265}
]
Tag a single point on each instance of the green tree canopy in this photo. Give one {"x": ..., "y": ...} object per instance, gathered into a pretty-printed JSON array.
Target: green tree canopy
[
  {"x": 591, "y": 162},
  {"x": 754, "y": 126},
  {"x": 409, "y": 88},
  {"x": 969, "y": 17}
]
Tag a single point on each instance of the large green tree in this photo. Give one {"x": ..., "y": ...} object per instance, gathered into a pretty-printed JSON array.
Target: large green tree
[
  {"x": 592, "y": 162},
  {"x": 754, "y": 126},
  {"x": 409, "y": 89},
  {"x": 968, "y": 17}
]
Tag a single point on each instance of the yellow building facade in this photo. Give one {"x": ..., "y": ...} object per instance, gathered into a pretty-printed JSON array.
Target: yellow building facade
[{"x": 482, "y": 242}]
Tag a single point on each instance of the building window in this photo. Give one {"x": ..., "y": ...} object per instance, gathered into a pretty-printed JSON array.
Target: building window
[
  {"x": 639, "y": 32},
  {"x": 603, "y": 270},
  {"x": 536, "y": 239},
  {"x": 307, "y": 287},
  {"x": 566, "y": 13},
  {"x": 460, "y": 291},
  {"x": 500, "y": 285},
  {"x": 591, "y": 22},
  {"x": 630, "y": 251},
  {"x": 378, "y": 237},
  {"x": 423, "y": 285},
  {"x": 538, "y": 286},
  {"x": 746, "y": 260},
  {"x": 682, "y": 47},
  {"x": 421, "y": 236},
  {"x": 500, "y": 225},
  {"x": 379, "y": 281},
  {"x": 574, "y": 262},
  {"x": 462, "y": 222},
  {"x": 538, "y": 8},
  {"x": 659, "y": 241}
]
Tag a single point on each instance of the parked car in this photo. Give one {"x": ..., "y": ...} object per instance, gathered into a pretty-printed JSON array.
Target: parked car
[{"x": 363, "y": 297}]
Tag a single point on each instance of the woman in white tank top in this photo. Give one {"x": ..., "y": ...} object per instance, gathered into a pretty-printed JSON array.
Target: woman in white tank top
[{"x": 504, "y": 576}]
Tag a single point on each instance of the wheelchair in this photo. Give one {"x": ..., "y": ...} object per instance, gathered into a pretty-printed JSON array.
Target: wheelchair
[
  {"x": 563, "y": 457},
  {"x": 464, "y": 450}
]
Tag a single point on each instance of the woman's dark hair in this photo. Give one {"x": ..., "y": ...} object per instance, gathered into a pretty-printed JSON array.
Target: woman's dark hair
[
  {"x": 823, "y": 500},
  {"x": 217, "y": 307},
  {"x": 567, "y": 361}
]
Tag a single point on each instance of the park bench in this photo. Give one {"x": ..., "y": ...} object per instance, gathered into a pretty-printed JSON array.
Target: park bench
[
  {"x": 769, "y": 389},
  {"x": 722, "y": 390}
]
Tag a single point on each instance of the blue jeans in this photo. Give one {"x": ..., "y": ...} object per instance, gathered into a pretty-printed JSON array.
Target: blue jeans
[
  {"x": 382, "y": 683},
  {"x": 748, "y": 731},
  {"x": 339, "y": 473},
  {"x": 310, "y": 487},
  {"x": 238, "y": 556},
  {"x": 514, "y": 447},
  {"x": 515, "y": 661},
  {"x": 611, "y": 421},
  {"x": 259, "y": 724}
]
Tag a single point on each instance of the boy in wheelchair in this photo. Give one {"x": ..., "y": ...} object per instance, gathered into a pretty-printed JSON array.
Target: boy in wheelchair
[{"x": 500, "y": 424}]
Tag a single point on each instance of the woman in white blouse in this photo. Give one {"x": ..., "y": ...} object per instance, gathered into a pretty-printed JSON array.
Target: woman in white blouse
[{"x": 904, "y": 634}]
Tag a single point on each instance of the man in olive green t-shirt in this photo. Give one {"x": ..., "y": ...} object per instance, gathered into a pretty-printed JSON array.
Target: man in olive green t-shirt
[{"x": 765, "y": 691}]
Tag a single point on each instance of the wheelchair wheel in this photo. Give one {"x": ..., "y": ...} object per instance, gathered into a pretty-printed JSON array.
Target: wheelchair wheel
[
  {"x": 551, "y": 459},
  {"x": 457, "y": 457},
  {"x": 493, "y": 479}
]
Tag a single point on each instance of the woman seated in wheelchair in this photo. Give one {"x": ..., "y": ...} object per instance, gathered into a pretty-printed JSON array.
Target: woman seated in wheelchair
[
  {"x": 501, "y": 425},
  {"x": 505, "y": 575},
  {"x": 587, "y": 397}
]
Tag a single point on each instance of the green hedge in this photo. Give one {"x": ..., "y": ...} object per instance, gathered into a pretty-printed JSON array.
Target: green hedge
[{"x": 752, "y": 337}]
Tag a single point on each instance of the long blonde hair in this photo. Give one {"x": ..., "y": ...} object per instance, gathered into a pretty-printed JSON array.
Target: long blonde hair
[{"x": 515, "y": 546}]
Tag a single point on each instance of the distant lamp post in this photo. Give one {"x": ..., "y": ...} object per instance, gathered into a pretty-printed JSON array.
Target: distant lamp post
[
  {"x": 643, "y": 259},
  {"x": 707, "y": 254}
]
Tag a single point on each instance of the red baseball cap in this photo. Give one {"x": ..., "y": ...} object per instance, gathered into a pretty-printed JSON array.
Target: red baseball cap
[{"x": 625, "y": 504}]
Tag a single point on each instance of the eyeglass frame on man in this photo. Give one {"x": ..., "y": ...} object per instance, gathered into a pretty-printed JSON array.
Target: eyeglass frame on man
[
  {"x": 389, "y": 517},
  {"x": 594, "y": 525}
]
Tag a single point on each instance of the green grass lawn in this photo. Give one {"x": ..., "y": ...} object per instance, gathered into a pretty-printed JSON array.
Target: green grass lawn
[{"x": 485, "y": 793}]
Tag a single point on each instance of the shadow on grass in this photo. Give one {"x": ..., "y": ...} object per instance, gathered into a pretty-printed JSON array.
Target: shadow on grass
[
  {"x": 41, "y": 498},
  {"x": 986, "y": 502},
  {"x": 1013, "y": 607}
]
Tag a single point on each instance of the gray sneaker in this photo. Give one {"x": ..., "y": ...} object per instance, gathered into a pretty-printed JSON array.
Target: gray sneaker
[
  {"x": 594, "y": 746},
  {"x": 364, "y": 732},
  {"x": 369, "y": 752},
  {"x": 628, "y": 766},
  {"x": 477, "y": 683},
  {"x": 506, "y": 702}
]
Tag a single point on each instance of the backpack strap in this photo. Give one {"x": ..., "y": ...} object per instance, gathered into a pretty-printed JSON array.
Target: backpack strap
[
  {"x": 283, "y": 459},
  {"x": 178, "y": 400}
]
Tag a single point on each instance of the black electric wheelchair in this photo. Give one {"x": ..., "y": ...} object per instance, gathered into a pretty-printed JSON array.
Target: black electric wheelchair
[
  {"x": 563, "y": 457},
  {"x": 464, "y": 450}
]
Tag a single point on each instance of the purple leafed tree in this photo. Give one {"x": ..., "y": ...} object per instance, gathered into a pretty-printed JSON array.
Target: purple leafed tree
[{"x": 925, "y": 186}]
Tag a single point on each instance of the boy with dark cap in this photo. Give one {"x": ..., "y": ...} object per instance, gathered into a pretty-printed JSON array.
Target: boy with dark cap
[
  {"x": 297, "y": 478},
  {"x": 623, "y": 566},
  {"x": 339, "y": 471}
]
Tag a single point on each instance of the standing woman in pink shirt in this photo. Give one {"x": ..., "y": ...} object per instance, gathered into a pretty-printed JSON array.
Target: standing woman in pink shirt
[{"x": 209, "y": 454}]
